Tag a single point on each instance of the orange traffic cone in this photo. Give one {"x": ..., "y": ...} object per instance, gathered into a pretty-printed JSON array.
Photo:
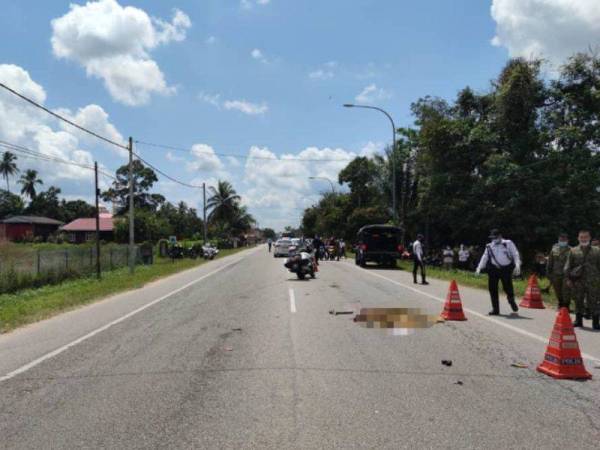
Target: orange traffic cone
[
  {"x": 453, "y": 306},
  {"x": 563, "y": 357},
  {"x": 533, "y": 297}
]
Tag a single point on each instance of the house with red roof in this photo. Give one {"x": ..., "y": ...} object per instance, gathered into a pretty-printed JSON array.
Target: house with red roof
[{"x": 84, "y": 230}]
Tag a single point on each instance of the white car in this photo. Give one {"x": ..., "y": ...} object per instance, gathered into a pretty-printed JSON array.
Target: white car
[{"x": 282, "y": 247}]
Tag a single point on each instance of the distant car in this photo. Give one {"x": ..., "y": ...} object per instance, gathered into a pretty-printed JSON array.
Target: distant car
[
  {"x": 381, "y": 244},
  {"x": 282, "y": 247}
]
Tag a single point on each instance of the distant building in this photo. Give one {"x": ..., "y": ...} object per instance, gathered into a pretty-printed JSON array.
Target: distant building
[
  {"x": 84, "y": 230},
  {"x": 16, "y": 228}
]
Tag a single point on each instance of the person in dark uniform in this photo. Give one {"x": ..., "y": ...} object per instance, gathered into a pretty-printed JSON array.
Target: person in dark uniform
[{"x": 501, "y": 261}]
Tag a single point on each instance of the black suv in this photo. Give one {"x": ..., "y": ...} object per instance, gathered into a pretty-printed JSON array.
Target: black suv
[{"x": 379, "y": 243}]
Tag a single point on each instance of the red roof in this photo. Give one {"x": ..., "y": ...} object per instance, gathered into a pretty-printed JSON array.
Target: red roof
[{"x": 106, "y": 224}]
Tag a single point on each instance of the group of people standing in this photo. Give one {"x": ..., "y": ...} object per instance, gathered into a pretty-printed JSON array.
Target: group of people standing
[{"x": 574, "y": 272}]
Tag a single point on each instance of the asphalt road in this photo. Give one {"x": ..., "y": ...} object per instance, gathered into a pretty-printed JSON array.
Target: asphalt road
[{"x": 242, "y": 355}]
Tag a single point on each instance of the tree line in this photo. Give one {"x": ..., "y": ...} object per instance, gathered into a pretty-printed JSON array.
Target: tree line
[
  {"x": 155, "y": 217},
  {"x": 521, "y": 156}
]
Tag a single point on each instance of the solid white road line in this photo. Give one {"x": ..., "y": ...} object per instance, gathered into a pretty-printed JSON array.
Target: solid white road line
[
  {"x": 292, "y": 301},
  {"x": 91, "y": 334},
  {"x": 473, "y": 313}
]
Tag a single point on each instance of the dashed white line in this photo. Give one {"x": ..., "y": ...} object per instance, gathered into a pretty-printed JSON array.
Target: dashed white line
[
  {"x": 292, "y": 301},
  {"x": 474, "y": 313}
]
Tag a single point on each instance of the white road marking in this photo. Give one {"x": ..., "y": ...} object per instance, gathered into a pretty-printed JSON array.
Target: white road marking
[
  {"x": 292, "y": 301},
  {"x": 91, "y": 334},
  {"x": 474, "y": 313}
]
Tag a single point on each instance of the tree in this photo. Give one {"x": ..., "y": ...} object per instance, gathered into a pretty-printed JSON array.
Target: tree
[
  {"x": 143, "y": 180},
  {"x": 8, "y": 167},
  {"x": 269, "y": 233},
  {"x": 10, "y": 204},
  {"x": 148, "y": 226},
  {"x": 360, "y": 175},
  {"x": 46, "y": 204},
  {"x": 222, "y": 203},
  {"x": 28, "y": 181},
  {"x": 183, "y": 220},
  {"x": 76, "y": 209}
]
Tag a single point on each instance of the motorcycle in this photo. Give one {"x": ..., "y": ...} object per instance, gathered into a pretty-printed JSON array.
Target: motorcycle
[
  {"x": 209, "y": 252},
  {"x": 301, "y": 263}
]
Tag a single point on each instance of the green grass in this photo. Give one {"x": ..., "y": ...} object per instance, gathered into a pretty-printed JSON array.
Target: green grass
[
  {"x": 32, "y": 305},
  {"x": 470, "y": 279}
]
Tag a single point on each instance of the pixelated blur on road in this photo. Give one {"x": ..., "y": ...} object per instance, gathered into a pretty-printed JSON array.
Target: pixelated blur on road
[{"x": 246, "y": 356}]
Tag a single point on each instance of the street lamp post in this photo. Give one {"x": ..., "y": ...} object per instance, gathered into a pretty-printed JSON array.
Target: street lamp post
[
  {"x": 324, "y": 178},
  {"x": 394, "y": 204}
]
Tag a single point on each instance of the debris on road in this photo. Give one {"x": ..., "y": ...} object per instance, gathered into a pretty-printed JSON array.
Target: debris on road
[
  {"x": 236, "y": 329},
  {"x": 460, "y": 383},
  {"x": 520, "y": 365},
  {"x": 228, "y": 349},
  {"x": 337, "y": 313},
  {"x": 447, "y": 362},
  {"x": 392, "y": 318}
]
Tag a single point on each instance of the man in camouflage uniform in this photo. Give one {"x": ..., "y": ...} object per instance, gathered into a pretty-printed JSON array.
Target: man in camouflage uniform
[
  {"x": 555, "y": 269},
  {"x": 583, "y": 271}
]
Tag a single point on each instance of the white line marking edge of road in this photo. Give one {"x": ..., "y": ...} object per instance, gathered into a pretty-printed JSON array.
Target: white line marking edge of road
[
  {"x": 474, "y": 313},
  {"x": 93, "y": 333},
  {"x": 292, "y": 301}
]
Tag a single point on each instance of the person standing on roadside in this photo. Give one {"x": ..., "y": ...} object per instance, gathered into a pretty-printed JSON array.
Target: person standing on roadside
[
  {"x": 417, "y": 250},
  {"x": 270, "y": 242},
  {"x": 463, "y": 257},
  {"x": 501, "y": 261},
  {"x": 555, "y": 269},
  {"x": 582, "y": 270},
  {"x": 448, "y": 257}
]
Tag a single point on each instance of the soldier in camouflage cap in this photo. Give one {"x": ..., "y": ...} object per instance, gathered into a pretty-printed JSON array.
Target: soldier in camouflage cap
[
  {"x": 555, "y": 269},
  {"x": 583, "y": 271}
]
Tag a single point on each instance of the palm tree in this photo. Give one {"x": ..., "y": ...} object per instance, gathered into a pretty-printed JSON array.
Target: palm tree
[
  {"x": 241, "y": 220},
  {"x": 223, "y": 202},
  {"x": 8, "y": 167},
  {"x": 29, "y": 180}
]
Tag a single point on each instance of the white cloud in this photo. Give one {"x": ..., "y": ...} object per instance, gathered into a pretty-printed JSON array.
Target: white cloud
[
  {"x": 204, "y": 159},
  {"x": 113, "y": 42},
  {"x": 213, "y": 99},
  {"x": 371, "y": 94},
  {"x": 372, "y": 148},
  {"x": 174, "y": 158},
  {"x": 23, "y": 125},
  {"x": 552, "y": 29},
  {"x": 233, "y": 161},
  {"x": 258, "y": 55},
  {"x": 249, "y": 4},
  {"x": 252, "y": 109},
  {"x": 211, "y": 40},
  {"x": 326, "y": 72}
]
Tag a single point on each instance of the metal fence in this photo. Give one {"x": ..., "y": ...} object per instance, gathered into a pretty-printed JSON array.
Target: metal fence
[{"x": 70, "y": 260}]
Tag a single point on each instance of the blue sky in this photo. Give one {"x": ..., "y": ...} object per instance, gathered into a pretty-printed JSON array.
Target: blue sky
[{"x": 256, "y": 77}]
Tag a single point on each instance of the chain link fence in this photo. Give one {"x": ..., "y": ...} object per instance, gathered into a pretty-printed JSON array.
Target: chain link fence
[{"x": 39, "y": 267}]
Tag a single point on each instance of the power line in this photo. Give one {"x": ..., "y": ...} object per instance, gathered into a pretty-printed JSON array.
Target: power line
[
  {"x": 64, "y": 119},
  {"x": 268, "y": 158},
  {"x": 28, "y": 153},
  {"x": 175, "y": 180}
]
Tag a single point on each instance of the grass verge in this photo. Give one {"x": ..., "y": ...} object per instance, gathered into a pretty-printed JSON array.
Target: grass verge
[
  {"x": 32, "y": 305},
  {"x": 470, "y": 279}
]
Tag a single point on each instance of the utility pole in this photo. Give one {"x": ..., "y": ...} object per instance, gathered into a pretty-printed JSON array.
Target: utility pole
[
  {"x": 131, "y": 235},
  {"x": 97, "y": 191},
  {"x": 204, "y": 209}
]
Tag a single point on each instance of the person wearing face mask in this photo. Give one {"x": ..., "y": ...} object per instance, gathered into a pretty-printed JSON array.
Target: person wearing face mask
[
  {"x": 500, "y": 260},
  {"x": 463, "y": 258},
  {"x": 582, "y": 269},
  {"x": 555, "y": 269}
]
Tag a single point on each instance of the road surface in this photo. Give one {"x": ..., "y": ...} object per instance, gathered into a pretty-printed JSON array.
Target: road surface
[{"x": 239, "y": 354}]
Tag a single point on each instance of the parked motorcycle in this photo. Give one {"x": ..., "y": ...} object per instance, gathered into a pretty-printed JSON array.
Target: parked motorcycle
[
  {"x": 302, "y": 264},
  {"x": 209, "y": 251}
]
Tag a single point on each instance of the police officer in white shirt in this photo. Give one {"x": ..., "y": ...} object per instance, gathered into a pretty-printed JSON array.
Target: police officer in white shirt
[
  {"x": 417, "y": 251},
  {"x": 500, "y": 260}
]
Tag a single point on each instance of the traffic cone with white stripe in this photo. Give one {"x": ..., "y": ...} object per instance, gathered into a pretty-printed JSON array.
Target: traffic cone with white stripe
[
  {"x": 563, "y": 357},
  {"x": 533, "y": 296},
  {"x": 453, "y": 306}
]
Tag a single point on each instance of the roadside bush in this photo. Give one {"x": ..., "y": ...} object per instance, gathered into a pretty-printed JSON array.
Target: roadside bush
[{"x": 12, "y": 281}]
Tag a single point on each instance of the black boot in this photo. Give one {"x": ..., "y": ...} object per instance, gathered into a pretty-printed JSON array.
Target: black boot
[
  {"x": 578, "y": 320},
  {"x": 513, "y": 305},
  {"x": 495, "y": 308},
  {"x": 596, "y": 322}
]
